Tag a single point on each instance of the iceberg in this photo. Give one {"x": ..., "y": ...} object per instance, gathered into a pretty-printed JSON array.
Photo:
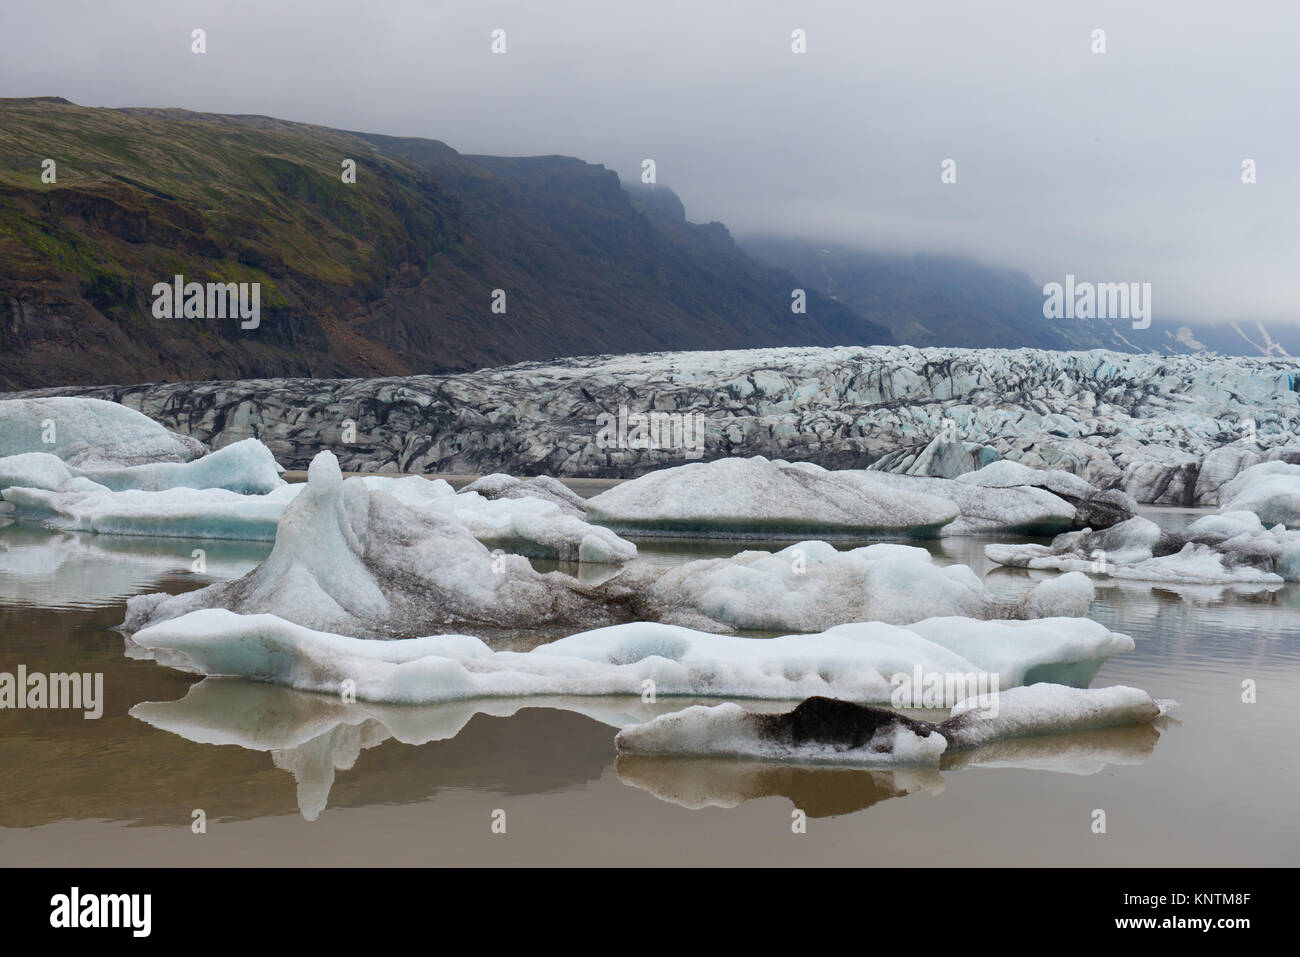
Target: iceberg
[
  {"x": 758, "y": 498},
  {"x": 237, "y": 493},
  {"x": 828, "y": 731},
  {"x": 1270, "y": 489},
  {"x": 499, "y": 485},
  {"x": 1233, "y": 548},
  {"x": 89, "y": 433},
  {"x": 374, "y": 557},
  {"x": 811, "y": 586},
  {"x": 739, "y": 498},
  {"x": 349, "y": 557},
  {"x": 853, "y": 661}
]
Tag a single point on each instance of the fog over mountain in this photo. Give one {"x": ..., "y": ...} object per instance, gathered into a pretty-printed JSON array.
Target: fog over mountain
[{"x": 1116, "y": 166}]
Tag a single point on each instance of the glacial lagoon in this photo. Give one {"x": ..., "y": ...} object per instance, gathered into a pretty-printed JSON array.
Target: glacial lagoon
[{"x": 283, "y": 776}]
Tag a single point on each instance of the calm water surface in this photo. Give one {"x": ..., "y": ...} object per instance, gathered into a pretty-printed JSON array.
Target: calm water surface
[{"x": 285, "y": 777}]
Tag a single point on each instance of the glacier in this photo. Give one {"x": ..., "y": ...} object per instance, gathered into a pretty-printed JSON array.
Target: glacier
[{"x": 1165, "y": 430}]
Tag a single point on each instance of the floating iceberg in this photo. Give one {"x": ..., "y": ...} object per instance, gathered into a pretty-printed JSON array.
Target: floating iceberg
[
  {"x": 1225, "y": 549},
  {"x": 89, "y": 433},
  {"x": 236, "y": 493},
  {"x": 744, "y": 498},
  {"x": 352, "y": 558},
  {"x": 83, "y": 506},
  {"x": 828, "y": 731},
  {"x": 1093, "y": 507},
  {"x": 737, "y": 498},
  {"x": 549, "y": 527},
  {"x": 499, "y": 485},
  {"x": 854, "y": 661},
  {"x": 1270, "y": 489},
  {"x": 386, "y": 557},
  {"x": 810, "y": 586},
  {"x": 246, "y": 467}
]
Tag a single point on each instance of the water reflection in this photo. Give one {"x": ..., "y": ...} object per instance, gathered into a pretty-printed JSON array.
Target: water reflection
[
  {"x": 314, "y": 736},
  {"x": 50, "y": 569}
]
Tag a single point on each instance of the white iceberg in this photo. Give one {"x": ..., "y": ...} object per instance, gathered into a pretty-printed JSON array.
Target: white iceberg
[
  {"x": 755, "y": 497},
  {"x": 811, "y": 586},
  {"x": 499, "y": 485},
  {"x": 246, "y": 467},
  {"x": 1232, "y": 548},
  {"x": 89, "y": 433},
  {"x": 236, "y": 493},
  {"x": 349, "y": 557},
  {"x": 854, "y": 661},
  {"x": 388, "y": 557},
  {"x": 1270, "y": 489}
]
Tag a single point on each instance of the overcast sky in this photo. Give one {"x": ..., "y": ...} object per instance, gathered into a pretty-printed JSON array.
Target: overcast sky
[{"x": 1123, "y": 166}]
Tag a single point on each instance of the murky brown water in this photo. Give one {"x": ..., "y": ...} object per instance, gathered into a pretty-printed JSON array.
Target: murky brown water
[{"x": 290, "y": 778}]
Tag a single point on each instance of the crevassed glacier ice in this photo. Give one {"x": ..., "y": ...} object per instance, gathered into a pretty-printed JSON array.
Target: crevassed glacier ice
[
  {"x": 828, "y": 731},
  {"x": 89, "y": 433},
  {"x": 853, "y": 661},
  {"x": 1164, "y": 429}
]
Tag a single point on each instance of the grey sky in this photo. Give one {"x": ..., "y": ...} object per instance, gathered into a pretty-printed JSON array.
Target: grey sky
[{"x": 1117, "y": 167}]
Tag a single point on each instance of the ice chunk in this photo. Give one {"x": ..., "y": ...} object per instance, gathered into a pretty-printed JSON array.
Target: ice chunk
[
  {"x": 39, "y": 470},
  {"x": 827, "y": 731},
  {"x": 82, "y": 505},
  {"x": 810, "y": 586},
  {"x": 89, "y": 433},
  {"x": 1023, "y": 509},
  {"x": 521, "y": 524},
  {"x": 1230, "y": 548},
  {"x": 353, "y": 558},
  {"x": 854, "y": 661},
  {"x": 1270, "y": 489},
  {"x": 759, "y": 498},
  {"x": 113, "y": 500},
  {"x": 247, "y": 467},
  {"x": 499, "y": 485}
]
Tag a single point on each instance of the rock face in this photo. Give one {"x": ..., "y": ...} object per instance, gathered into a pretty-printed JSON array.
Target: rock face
[{"x": 1143, "y": 424}]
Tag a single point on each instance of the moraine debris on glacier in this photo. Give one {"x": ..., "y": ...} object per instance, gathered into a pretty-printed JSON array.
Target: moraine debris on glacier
[
  {"x": 356, "y": 557},
  {"x": 1163, "y": 429}
]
